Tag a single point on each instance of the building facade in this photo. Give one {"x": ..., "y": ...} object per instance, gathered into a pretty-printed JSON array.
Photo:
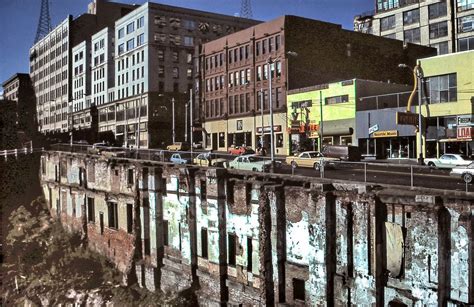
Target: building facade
[
  {"x": 153, "y": 54},
  {"x": 235, "y": 79},
  {"x": 340, "y": 104},
  {"x": 445, "y": 25},
  {"x": 448, "y": 104}
]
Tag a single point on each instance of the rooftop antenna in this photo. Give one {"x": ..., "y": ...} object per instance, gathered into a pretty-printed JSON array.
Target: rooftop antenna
[
  {"x": 44, "y": 23},
  {"x": 246, "y": 9}
]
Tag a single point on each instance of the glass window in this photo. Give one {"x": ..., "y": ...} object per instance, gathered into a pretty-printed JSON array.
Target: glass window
[
  {"x": 257, "y": 49},
  {"x": 392, "y": 36},
  {"x": 337, "y": 99},
  {"x": 439, "y": 29},
  {"x": 189, "y": 24},
  {"x": 130, "y": 44},
  {"x": 466, "y": 43},
  {"x": 442, "y": 47},
  {"x": 387, "y": 23},
  {"x": 466, "y": 23},
  {"x": 259, "y": 73},
  {"x": 120, "y": 49},
  {"x": 140, "y": 39},
  {"x": 465, "y": 5},
  {"x": 411, "y": 17},
  {"x": 412, "y": 36},
  {"x": 120, "y": 33},
  {"x": 437, "y": 10},
  {"x": 140, "y": 22},
  {"x": 383, "y": 5},
  {"x": 441, "y": 88},
  {"x": 189, "y": 41},
  {"x": 130, "y": 28}
]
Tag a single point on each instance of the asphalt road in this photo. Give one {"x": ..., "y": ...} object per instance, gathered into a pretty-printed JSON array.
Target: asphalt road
[{"x": 386, "y": 174}]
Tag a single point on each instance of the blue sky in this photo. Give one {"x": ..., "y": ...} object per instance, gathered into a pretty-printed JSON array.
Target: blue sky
[{"x": 19, "y": 19}]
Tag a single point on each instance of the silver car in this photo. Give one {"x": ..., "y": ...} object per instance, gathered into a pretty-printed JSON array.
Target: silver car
[{"x": 465, "y": 172}]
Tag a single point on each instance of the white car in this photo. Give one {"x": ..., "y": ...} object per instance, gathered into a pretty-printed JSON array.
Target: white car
[
  {"x": 249, "y": 163},
  {"x": 448, "y": 161},
  {"x": 464, "y": 172}
]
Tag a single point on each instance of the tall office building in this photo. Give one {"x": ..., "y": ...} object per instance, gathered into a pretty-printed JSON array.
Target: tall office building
[
  {"x": 153, "y": 73},
  {"x": 51, "y": 69},
  {"x": 446, "y": 25}
]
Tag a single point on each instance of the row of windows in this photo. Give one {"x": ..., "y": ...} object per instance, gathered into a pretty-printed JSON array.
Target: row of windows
[
  {"x": 441, "y": 88},
  {"x": 78, "y": 70},
  {"x": 98, "y": 74},
  {"x": 136, "y": 89},
  {"x": 137, "y": 73},
  {"x": 98, "y": 100},
  {"x": 465, "y": 5},
  {"x": 99, "y": 45},
  {"x": 131, "y": 44},
  {"x": 137, "y": 58},
  {"x": 435, "y": 10},
  {"x": 99, "y": 59},
  {"x": 175, "y": 56},
  {"x": 60, "y": 91},
  {"x": 466, "y": 43},
  {"x": 466, "y": 24},
  {"x": 48, "y": 69},
  {"x": 53, "y": 119},
  {"x": 175, "y": 22},
  {"x": 51, "y": 81},
  {"x": 99, "y": 87},
  {"x": 78, "y": 82},
  {"x": 140, "y": 22},
  {"x": 174, "y": 39}
]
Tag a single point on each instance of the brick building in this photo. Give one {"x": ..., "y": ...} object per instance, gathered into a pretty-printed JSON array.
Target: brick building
[{"x": 234, "y": 76}]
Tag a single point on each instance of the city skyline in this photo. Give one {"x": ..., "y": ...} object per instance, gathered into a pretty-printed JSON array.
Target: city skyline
[{"x": 14, "y": 52}]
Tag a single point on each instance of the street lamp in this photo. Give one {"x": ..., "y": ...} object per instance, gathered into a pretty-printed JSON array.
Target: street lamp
[
  {"x": 418, "y": 79},
  {"x": 173, "y": 119}
]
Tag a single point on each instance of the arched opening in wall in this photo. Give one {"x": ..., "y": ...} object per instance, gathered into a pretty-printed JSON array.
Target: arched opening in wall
[{"x": 396, "y": 303}]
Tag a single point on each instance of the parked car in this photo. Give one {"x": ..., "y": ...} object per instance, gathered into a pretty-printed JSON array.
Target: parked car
[
  {"x": 312, "y": 159},
  {"x": 249, "y": 163},
  {"x": 240, "y": 150},
  {"x": 179, "y": 158},
  {"x": 208, "y": 159},
  {"x": 448, "y": 161},
  {"x": 465, "y": 172},
  {"x": 97, "y": 148},
  {"x": 197, "y": 145},
  {"x": 178, "y": 146},
  {"x": 343, "y": 152}
]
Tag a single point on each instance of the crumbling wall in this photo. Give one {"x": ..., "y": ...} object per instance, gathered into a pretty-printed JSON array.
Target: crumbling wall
[{"x": 258, "y": 239}]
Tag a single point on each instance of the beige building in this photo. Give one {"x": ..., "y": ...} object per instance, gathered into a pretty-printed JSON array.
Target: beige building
[{"x": 446, "y": 25}]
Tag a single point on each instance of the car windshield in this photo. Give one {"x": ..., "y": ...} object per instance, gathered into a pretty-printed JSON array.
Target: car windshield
[
  {"x": 255, "y": 159},
  {"x": 314, "y": 154}
]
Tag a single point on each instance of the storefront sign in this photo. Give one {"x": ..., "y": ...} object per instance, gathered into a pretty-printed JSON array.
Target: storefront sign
[
  {"x": 266, "y": 129},
  {"x": 405, "y": 118},
  {"x": 373, "y": 128},
  {"x": 385, "y": 134},
  {"x": 465, "y": 133},
  {"x": 464, "y": 120},
  {"x": 313, "y": 135}
]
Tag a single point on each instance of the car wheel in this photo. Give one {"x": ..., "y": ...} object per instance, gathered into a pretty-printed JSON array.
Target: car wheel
[
  {"x": 467, "y": 178},
  {"x": 316, "y": 166},
  {"x": 254, "y": 169},
  {"x": 431, "y": 164},
  {"x": 294, "y": 164}
]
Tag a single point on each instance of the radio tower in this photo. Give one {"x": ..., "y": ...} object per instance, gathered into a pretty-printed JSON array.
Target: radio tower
[
  {"x": 44, "y": 23},
  {"x": 246, "y": 9}
]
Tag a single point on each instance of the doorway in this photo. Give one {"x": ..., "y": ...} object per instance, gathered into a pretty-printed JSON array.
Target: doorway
[{"x": 101, "y": 222}]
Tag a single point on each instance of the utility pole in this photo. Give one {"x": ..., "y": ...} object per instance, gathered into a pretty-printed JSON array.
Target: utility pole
[
  {"x": 174, "y": 131},
  {"x": 139, "y": 122},
  {"x": 321, "y": 125},
  {"x": 272, "y": 157},
  {"x": 262, "y": 136},
  {"x": 191, "y": 117},
  {"x": 419, "y": 75},
  {"x": 186, "y": 122}
]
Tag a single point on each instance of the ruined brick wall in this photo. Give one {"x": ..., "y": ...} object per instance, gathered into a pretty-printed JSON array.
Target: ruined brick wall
[{"x": 262, "y": 239}]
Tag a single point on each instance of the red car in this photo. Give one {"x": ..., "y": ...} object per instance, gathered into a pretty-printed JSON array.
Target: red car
[{"x": 240, "y": 150}]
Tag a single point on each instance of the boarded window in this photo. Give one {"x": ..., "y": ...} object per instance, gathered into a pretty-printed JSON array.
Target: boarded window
[
  {"x": 232, "y": 240},
  {"x": 113, "y": 215},
  {"x": 298, "y": 289},
  {"x": 394, "y": 248},
  {"x": 204, "y": 242},
  {"x": 90, "y": 210},
  {"x": 249, "y": 254}
]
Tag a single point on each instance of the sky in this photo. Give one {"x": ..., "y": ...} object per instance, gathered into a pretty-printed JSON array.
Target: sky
[{"x": 19, "y": 19}]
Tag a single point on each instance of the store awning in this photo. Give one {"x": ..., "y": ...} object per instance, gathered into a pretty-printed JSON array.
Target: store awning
[{"x": 338, "y": 127}]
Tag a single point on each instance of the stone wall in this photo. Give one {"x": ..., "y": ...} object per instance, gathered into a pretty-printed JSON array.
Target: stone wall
[{"x": 246, "y": 238}]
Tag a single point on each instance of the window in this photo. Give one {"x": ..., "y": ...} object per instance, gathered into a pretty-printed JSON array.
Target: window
[
  {"x": 383, "y": 5},
  {"x": 337, "y": 99},
  {"x": 130, "y": 28},
  {"x": 465, "y": 5},
  {"x": 466, "y": 43},
  {"x": 249, "y": 254},
  {"x": 230, "y": 57},
  {"x": 130, "y": 177},
  {"x": 189, "y": 41},
  {"x": 129, "y": 218},
  {"x": 257, "y": 49},
  {"x": 165, "y": 232},
  {"x": 278, "y": 69},
  {"x": 90, "y": 210},
  {"x": 441, "y": 88},
  {"x": 140, "y": 22},
  {"x": 113, "y": 215},
  {"x": 189, "y": 58},
  {"x": 387, "y": 23},
  {"x": 437, "y": 10},
  {"x": 161, "y": 55},
  {"x": 175, "y": 56},
  {"x": 121, "y": 32},
  {"x": 140, "y": 39},
  {"x": 189, "y": 73},
  {"x": 232, "y": 240},
  {"x": 189, "y": 24},
  {"x": 412, "y": 36},
  {"x": 466, "y": 23},
  {"x": 130, "y": 44},
  {"x": 265, "y": 72},
  {"x": 298, "y": 289},
  {"x": 242, "y": 77},
  {"x": 204, "y": 243},
  {"x": 442, "y": 47},
  {"x": 277, "y": 42},
  {"x": 175, "y": 72},
  {"x": 411, "y": 17},
  {"x": 259, "y": 73},
  {"x": 439, "y": 29}
]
